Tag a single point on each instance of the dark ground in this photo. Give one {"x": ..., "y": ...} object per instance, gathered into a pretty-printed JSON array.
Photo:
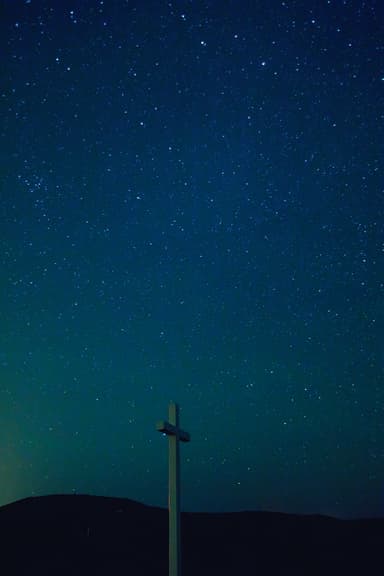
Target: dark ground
[{"x": 111, "y": 536}]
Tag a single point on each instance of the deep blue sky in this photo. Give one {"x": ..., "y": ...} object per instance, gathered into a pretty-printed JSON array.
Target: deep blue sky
[{"x": 192, "y": 209}]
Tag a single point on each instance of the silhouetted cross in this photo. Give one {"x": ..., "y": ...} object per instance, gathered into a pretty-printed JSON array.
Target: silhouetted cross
[{"x": 175, "y": 435}]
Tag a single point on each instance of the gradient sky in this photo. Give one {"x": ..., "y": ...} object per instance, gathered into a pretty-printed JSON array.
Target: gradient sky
[{"x": 192, "y": 209}]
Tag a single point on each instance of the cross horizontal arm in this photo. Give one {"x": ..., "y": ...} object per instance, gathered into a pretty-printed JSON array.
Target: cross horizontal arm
[{"x": 171, "y": 430}]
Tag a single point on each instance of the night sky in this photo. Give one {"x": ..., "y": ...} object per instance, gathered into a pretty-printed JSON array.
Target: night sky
[{"x": 192, "y": 210}]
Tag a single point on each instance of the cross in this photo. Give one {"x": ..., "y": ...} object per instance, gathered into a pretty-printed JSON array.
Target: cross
[{"x": 175, "y": 434}]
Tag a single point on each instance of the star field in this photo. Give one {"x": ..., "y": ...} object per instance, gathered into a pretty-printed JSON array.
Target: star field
[{"x": 192, "y": 210}]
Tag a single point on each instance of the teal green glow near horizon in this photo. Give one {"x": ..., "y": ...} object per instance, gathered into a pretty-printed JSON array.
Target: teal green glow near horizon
[{"x": 191, "y": 210}]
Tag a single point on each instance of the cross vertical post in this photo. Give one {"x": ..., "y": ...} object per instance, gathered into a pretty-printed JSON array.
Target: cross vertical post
[{"x": 175, "y": 435}]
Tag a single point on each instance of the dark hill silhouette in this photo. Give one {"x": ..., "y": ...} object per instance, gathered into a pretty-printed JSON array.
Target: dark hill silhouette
[{"x": 73, "y": 534}]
